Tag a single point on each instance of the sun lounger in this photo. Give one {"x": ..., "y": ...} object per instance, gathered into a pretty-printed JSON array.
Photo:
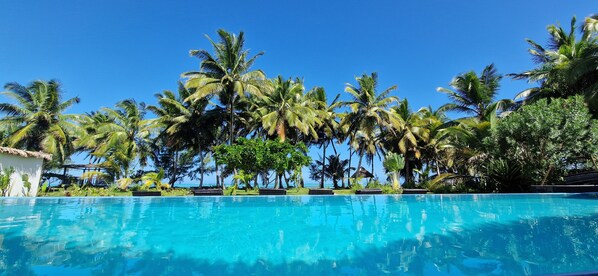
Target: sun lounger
[
  {"x": 147, "y": 193},
  {"x": 208, "y": 192},
  {"x": 273, "y": 192},
  {"x": 320, "y": 192},
  {"x": 369, "y": 192}
]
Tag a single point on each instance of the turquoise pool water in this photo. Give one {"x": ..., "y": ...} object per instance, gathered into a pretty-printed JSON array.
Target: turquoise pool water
[{"x": 342, "y": 235}]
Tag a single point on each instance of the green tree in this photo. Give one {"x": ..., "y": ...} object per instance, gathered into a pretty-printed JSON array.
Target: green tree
[
  {"x": 328, "y": 130},
  {"x": 368, "y": 113},
  {"x": 546, "y": 138},
  {"x": 566, "y": 66},
  {"x": 188, "y": 127},
  {"x": 122, "y": 137},
  {"x": 36, "y": 122},
  {"x": 285, "y": 109},
  {"x": 475, "y": 94},
  {"x": 226, "y": 73},
  {"x": 333, "y": 170}
]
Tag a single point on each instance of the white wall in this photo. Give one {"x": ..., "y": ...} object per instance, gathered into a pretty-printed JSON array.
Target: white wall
[{"x": 22, "y": 165}]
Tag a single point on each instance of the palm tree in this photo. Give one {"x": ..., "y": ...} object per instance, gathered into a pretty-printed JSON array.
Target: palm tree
[
  {"x": 285, "y": 109},
  {"x": 36, "y": 122},
  {"x": 368, "y": 113},
  {"x": 124, "y": 138},
  {"x": 188, "y": 125},
  {"x": 405, "y": 135},
  {"x": 227, "y": 73},
  {"x": 334, "y": 170},
  {"x": 328, "y": 129},
  {"x": 566, "y": 66},
  {"x": 475, "y": 94}
]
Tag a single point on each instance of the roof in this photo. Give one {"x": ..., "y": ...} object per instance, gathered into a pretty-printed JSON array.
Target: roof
[
  {"x": 362, "y": 172},
  {"x": 26, "y": 153}
]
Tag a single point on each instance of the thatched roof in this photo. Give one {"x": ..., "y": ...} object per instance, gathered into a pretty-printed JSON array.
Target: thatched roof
[
  {"x": 26, "y": 153},
  {"x": 362, "y": 172}
]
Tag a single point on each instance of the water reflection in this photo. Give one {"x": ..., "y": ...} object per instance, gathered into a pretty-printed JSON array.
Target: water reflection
[{"x": 344, "y": 235}]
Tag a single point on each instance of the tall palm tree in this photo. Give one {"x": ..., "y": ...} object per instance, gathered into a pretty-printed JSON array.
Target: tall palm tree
[
  {"x": 36, "y": 122},
  {"x": 327, "y": 131},
  {"x": 566, "y": 66},
  {"x": 227, "y": 73},
  {"x": 125, "y": 137},
  {"x": 285, "y": 109},
  {"x": 188, "y": 125},
  {"x": 368, "y": 113},
  {"x": 475, "y": 94},
  {"x": 405, "y": 135}
]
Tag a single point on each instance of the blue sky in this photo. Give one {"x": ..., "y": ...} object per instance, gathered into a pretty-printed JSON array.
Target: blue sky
[{"x": 106, "y": 51}]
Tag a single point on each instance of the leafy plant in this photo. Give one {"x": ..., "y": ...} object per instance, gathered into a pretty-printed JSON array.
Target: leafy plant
[
  {"x": 5, "y": 180},
  {"x": 394, "y": 163},
  {"x": 26, "y": 184},
  {"x": 154, "y": 179},
  {"x": 545, "y": 138}
]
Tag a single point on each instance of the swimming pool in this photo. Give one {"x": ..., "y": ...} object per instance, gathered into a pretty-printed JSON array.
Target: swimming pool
[{"x": 347, "y": 235}]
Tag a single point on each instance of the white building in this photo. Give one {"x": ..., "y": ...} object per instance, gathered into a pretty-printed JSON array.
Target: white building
[{"x": 23, "y": 162}]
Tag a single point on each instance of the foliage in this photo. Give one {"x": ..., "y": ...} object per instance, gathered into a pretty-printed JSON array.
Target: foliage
[
  {"x": 506, "y": 177},
  {"x": 475, "y": 95},
  {"x": 26, "y": 184},
  {"x": 154, "y": 179},
  {"x": 333, "y": 170},
  {"x": 5, "y": 180},
  {"x": 545, "y": 139},
  {"x": 244, "y": 178},
  {"x": 226, "y": 73},
  {"x": 394, "y": 163},
  {"x": 36, "y": 122},
  {"x": 567, "y": 66},
  {"x": 256, "y": 156}
]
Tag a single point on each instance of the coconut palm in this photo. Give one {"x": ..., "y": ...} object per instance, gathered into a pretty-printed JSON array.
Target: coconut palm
[
  {"x": 566, "y": 66},
  {"x": 368, "y": 113},
  {"x": 475, "y": 94},
  {"x": 284, "y": 109},
  {"x": 125, "y": 138},
  {"x": 36, "y": 121},
  {"x": 187, "y": 126},
  {"x": 334, "y": 170},
  {"x": 327, "y": 131},
  {"x": 227, "y": 73}
]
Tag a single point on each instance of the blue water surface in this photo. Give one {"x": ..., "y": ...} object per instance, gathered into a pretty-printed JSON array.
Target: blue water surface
[{"x": 309, "y": 235}]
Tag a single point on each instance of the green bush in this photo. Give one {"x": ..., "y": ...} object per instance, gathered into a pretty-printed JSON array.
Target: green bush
[{"x": 541, "y": 141}]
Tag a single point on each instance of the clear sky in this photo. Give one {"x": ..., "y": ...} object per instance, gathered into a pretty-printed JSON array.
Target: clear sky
[{"x": 106, "y": 51}]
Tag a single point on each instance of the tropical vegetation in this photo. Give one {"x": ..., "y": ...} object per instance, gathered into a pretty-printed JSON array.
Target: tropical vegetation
[{"x": 231, "y": 120}]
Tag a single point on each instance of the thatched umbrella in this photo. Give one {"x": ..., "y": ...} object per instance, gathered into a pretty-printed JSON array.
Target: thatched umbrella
[{"x": 362, "y": 172}]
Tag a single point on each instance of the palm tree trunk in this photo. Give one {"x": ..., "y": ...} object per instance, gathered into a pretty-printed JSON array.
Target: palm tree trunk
[
  {"x": 201, "y": 169},
  {"x": 349, "y": 169},
  {"x": 359, "y": 163},
  {"x": 174, "y": 169},
  {"x": 407, "y": 175},
  {"x": 373, "y": 164},
  {"x": 323, "y": 165}
]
